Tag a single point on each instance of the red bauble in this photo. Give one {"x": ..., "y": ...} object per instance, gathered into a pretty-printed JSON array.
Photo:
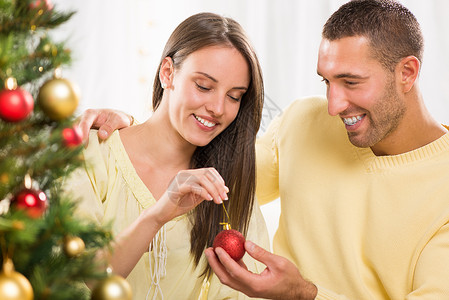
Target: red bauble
[
  {"x": 15, "y": 105},
  {"x": 34, "y": 202},
  {"x": 232, "y": 241},
  {"x": 39, "y": 3},
  {"x": 72, "y": 136}
]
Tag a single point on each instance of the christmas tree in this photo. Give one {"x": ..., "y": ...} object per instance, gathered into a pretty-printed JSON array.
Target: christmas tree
[{"x": 46, "y": 251}]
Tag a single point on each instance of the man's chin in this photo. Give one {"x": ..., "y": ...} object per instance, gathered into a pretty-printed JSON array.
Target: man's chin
[{"x": 358, "y": 141}]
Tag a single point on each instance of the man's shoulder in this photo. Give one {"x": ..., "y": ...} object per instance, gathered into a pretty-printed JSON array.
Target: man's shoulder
[
  {"x": 311, "y": 105},
  {"x": 306, "y": 110}
]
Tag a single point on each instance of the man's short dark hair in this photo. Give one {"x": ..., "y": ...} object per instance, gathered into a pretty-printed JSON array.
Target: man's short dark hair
[{"x": 392, "y": 30}]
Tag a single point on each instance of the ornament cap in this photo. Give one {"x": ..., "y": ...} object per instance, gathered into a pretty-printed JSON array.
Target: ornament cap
[
  {"x": 10, "y": 83},
  {"x": 27, "y": 182},
  {"x": 57, "y": 73},
  {"x": 8, "y": 266},
  {"x": 226, "y": 226}
]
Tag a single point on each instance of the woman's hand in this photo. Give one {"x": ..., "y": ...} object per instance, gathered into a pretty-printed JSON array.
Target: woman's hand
[{"x": 188, "y": 189}]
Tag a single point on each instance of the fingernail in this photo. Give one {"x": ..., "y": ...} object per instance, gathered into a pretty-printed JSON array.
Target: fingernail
[
  {"x": 103, "y": 133},
  {"x": 224, "y": 196},
  {"x": 219, "y": 200},
  {"x": 227, "y": 189},
  {"x": 209, "y": 197},
  {"x": 250, "y": 245}
]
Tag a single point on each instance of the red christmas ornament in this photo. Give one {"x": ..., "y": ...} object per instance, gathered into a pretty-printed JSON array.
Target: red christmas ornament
[
  {"x": 232, "y": 241},
  {"x": 72, "y": 136},
  {"x": 47, "y": 4},
  {"x": 15, "y": 104},
  {"x": 34, "y": 202}
]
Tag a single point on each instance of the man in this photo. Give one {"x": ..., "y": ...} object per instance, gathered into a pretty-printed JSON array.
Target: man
[{"x": 364, "y": 186}]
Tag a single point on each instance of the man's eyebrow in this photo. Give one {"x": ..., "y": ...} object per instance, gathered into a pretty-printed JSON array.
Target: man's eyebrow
[
  {"x": 346, "y": 75},
  {"x": 349, "y": 75}
]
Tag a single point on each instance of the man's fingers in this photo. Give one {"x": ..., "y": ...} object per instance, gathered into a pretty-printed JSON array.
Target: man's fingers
[
  {"x": 85, "y": 123},
  {"x": 113, "y": 121},
  {"x": 233, "y": 268},
  {"x": 260, "y": 254},
  {"x": 226, "y": 277},
  {"x": 215, "y": 264},
  {"x": 105, "y": 131},
  {"x": 106, "y": 120}
]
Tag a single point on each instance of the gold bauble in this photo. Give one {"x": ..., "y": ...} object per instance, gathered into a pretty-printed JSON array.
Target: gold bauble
[
  {"x": 73, "y": 246},
  {"x": 4, "y": 178},
  {"x": 113, "y": 287},
  {"x": 58, "y": 98},
  {"x": 13, "y": 285}
]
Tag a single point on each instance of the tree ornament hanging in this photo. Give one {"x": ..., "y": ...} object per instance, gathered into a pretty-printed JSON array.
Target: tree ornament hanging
[
  {"x": 58, "y": 97},
  {"x": 15, "y": 103},
  {"x": 46, "y": 4},
  {"x": 13, "y": 285},
  {"x": 73, "y": 246},
  {"x": 231, "y": 240},
  {"x": 113, "y": 287},
  {"x": 33, "y": 201},
  {"x": 72, "y": 136}
]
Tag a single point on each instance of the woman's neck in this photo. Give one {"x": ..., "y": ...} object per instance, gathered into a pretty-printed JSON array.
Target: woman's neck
[{"x": 154, "y": 144}]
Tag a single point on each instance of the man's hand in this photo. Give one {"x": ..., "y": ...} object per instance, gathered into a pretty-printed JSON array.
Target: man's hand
[
  {"x": 105, "y": 120},
  {"x": 280, "y": 279}
]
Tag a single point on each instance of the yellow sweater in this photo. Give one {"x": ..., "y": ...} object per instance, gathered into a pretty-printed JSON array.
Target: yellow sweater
[
  {"x": 357, "y": 225},
  {"x": 110, "y": 190}
]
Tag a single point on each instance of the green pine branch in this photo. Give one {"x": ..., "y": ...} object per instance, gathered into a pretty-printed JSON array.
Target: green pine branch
[{"x": 35, "y": 146}]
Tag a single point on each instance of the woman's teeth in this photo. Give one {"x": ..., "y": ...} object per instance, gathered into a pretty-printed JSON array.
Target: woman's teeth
[{"x": 205, "y": 122}]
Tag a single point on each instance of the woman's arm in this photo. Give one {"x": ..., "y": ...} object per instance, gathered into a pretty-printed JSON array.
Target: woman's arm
[{"x": 185, "y": 192}]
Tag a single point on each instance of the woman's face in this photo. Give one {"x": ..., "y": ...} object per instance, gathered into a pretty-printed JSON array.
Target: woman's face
[{"x": 204, "y": 93}]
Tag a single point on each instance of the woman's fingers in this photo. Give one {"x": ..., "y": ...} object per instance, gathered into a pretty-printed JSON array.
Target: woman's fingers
[{"x": 206, "y": 183}]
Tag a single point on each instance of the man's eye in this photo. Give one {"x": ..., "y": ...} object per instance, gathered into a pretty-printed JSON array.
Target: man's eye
[{"x": 325, "y": 81}]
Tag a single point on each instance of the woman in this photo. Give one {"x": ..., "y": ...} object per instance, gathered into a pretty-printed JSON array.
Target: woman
[{"x": 150, "y": 179}]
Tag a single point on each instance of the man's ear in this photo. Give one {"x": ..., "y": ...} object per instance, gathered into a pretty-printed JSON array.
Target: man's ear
[
  {"x": 166, "y": 72},
  {"x": 408, "y": 69}
]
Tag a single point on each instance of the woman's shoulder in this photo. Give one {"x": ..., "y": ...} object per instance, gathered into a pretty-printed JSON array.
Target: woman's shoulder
[{"x": 98, "y": 150}]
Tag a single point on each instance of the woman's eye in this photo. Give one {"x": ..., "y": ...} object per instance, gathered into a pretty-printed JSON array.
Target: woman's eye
[
  {"x": 234, "y": 98},
  {"x": 203, "y": 88}
]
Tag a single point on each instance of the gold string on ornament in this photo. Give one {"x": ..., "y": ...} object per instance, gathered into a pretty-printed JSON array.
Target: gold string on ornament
[
  {"x": 226, "y": 225},
  {"x": 27, "y": 182},
  {"x": 6, "y": 251},
  {"x": 13, "y": 285}
]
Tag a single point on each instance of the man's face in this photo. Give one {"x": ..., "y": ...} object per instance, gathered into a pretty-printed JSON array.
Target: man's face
[{"x": 359, "y": 90}]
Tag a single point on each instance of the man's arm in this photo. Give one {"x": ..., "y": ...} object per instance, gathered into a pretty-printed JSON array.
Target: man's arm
[
  {"x": 106, "y": 120},
  {"x": 280, "y": 279}
]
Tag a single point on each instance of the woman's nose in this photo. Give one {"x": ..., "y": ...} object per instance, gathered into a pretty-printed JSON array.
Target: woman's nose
[{"x": 216, "y": 105}]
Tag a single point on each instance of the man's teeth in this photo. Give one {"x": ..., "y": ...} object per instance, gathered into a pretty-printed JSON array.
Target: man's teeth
[
  {"x": 205, "y": 122},
  {"x": 351, "y": 121}
]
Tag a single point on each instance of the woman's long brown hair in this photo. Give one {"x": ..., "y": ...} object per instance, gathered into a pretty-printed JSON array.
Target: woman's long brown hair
[{"x": 232, "y": 152}]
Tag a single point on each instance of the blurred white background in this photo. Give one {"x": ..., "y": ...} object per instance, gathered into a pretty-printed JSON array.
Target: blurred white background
[{"x": 117, "y": 46}]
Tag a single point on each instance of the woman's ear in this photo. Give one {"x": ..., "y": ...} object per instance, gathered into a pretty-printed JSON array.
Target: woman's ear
[
  {"x": 409, "y": 70},
  {"x": 166, "y": 72}
]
